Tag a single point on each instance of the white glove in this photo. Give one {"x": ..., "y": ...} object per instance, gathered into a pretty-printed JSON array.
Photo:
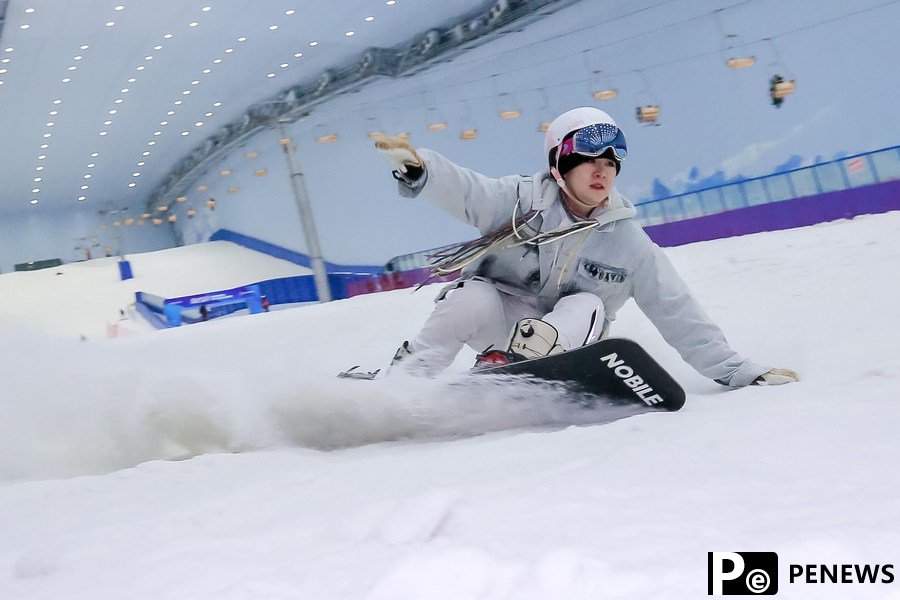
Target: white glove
[
  {"x": 401, "y": 154},
  {"x": 777, "y": 377}
]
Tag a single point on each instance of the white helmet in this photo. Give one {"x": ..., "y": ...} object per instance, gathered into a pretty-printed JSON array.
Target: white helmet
[{"x": 579, "y": 118}]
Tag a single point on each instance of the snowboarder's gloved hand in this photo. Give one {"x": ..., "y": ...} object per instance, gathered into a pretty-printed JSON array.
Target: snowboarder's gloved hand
[
  {"x": 407, "y": 162},
  {"x": 777, "y": 377}
]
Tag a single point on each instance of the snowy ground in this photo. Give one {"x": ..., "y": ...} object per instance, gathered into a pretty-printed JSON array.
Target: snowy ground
[
  {"x": 224, "y": 460},
  {"x": 81, "y": 298}
]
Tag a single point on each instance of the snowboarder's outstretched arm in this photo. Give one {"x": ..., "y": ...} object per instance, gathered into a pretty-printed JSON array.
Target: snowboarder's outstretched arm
[
  {"x": 667, "y": 301},
  {"x": 482, "y": 201}
]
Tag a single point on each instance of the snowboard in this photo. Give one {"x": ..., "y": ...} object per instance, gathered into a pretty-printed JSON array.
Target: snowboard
[{"x": 616, "y": 369}]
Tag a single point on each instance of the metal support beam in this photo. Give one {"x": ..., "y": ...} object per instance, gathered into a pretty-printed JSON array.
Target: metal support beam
[{"x": 320, "y": 273}]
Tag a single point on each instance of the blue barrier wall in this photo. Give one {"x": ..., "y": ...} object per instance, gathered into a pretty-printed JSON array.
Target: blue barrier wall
[{"x": 285, "y": 254}]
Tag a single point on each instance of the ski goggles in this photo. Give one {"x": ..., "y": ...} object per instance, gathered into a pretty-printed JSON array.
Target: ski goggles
[{"x": 594, "y": 140}]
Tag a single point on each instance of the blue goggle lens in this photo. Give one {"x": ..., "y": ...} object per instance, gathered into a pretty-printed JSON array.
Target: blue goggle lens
[{"x": 594, "y": 140}]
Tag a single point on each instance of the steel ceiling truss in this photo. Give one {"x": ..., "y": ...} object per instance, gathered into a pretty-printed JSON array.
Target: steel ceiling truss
[{"x": 404, "y": 60}]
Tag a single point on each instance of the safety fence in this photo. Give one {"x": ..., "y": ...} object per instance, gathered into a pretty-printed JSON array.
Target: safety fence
[{"x": 846, "y": 173}]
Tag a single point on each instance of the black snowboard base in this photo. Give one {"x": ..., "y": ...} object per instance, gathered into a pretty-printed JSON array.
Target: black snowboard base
[{"x": 617, "y": 369}]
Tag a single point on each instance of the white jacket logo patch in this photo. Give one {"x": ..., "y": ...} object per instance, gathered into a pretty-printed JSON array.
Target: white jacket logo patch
[{"x": 600, "y": 272}]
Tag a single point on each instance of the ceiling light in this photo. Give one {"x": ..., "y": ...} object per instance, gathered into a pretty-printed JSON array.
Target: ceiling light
[
  {"x": 273, "y": 27},
  {"x": 87, "y": 176},
  {"x": 102, "y": 133},
  {"x": 46, "y": 135},
  {"x": 289, "y": 12},
  {"x": 84, "y": 187},
  {"x": 229, "y": 50},
  {"x": 314, "y": 43},
  {"x": 107, "y": 123},
  {"x": 2, "y": 71},
  {"x": 369, "y": 19},
  {"x": 44, "y": 146},
  {"x": 4, "y": 60},
  {"x": 350, "y": 33},
  {"x": 157, "y": 48},
  {"x": 163, "y": 123},
  {"x": 125, "y": 90},
  {"x": 151, "y": 143},
  {"x": 198, "y": 124},
  {"x": 131, "y": 80},
  {"x": 91, "y": 165},
  {"x": 170, "y": 112},
  {"x": 72, "y": 68},
  {"x": 95, "y": 154},
  {"x": 193, "y": 24},
  {"x": 28, "y": 11},
  {"x": 207, "y": 71},
  {"x": 391, "y": 2},
  {"x": 84, "y": 47},
  {"x": 242, "y": 39},
  {"x": 209, "y": 114},
  {"x": 132, "y": 184},
  {"x": 184, "y": 133},
  {"x": 145, "y": 153},
  {"x": 57, "y": 101},
  {"x": 217, "y": 104},
  {"x": 34, "y": 200},
  {"x": 37, "y": 179},
  {"x": 24, "y": 27},
  {"x": 120, "y": 7},
  {"x": 270, "y": 75},
  {"x": 53, "y": 113},
  {"x": 66, "y": 79},
  {"x": 148, "y": 57},
  {"x": 195, "y": 82},
  {"x": 178, "y": 102},
  {"x": 81, "y": 198},
  {"x": 39, "y": 168},
  {"x": 186, "y": 92},
  {"x": 217, "y": 60},
  {"x": 139, "y": 68},
  {"x": 206, "y": 8},
  {"x": 136, "y": 174},
  {"x": 7, "y": 49},
  {"x": 78, "y": 57},
  {"x": 157, "y": 133},
  {"x": 141, "y": 164},
  {"x": 225, "y": 172},
  {"x": 36, "y": 191},
  {"x": 110, "y": 23},
  {"x": 50, "y": 124},
  {"x": 298, "y": 55},
  {"x": 42, "y": 156},
  {"x": 113, "y": 111},
  {"x": 118, "y": 101},
  {"x": 284, "y": 65},
  {"x": 168, "y": 36}
]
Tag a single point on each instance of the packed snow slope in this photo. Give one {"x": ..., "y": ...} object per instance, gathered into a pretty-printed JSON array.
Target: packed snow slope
[
  {"x": 80, "y": 298},
  {"x": 291, "y": 484}
]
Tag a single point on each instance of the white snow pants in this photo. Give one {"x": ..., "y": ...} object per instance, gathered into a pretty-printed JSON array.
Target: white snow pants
[{"x": 478, "y": 314}]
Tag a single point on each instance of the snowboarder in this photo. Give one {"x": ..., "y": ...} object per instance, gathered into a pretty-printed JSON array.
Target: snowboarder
[{"x": 559, "y": 255}]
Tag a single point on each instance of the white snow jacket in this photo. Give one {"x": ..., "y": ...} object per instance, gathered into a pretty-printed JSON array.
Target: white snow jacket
[{"x": 615, "y": 259}]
